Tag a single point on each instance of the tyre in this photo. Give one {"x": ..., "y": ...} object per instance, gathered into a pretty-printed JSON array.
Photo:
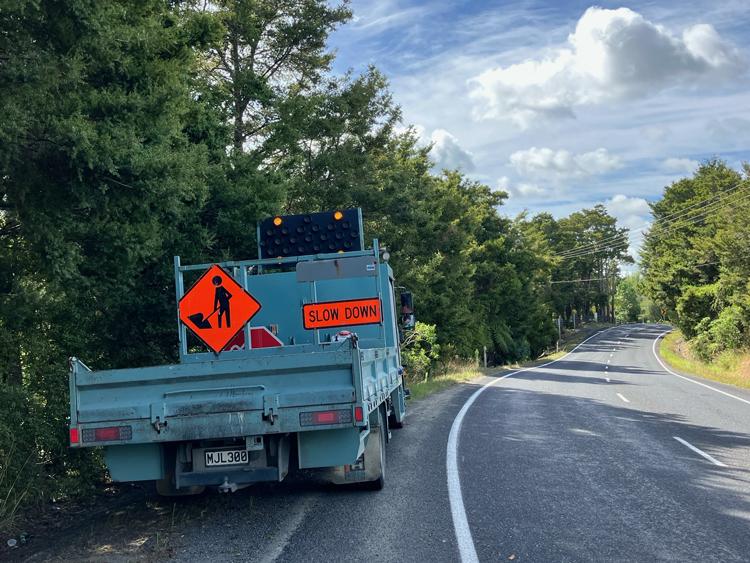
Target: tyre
[{"x": 379, "y": 483}]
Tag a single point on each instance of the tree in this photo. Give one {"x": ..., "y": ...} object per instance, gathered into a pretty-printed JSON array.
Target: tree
[
  {"x": 628, "y": 299},
  {"x": 692, "y": 257},
  {"x": 271, "y": 55},
  {"x": 99, "y": 187},
  {"x": 586, "y": 250}
]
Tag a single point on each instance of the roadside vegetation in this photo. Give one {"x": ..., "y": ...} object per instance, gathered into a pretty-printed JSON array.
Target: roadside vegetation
[
  {"x": 131, "y": 133},
  {"x": 731, "y": 366},
  {"x": 446, "y": 375},
  {"x": 695, "y": 264}
]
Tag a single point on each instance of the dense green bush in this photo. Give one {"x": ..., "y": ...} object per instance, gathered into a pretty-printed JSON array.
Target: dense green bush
[
  {"x": 726, "y": 332},
  {"x": 22, "y": 472},
  {"x": 420, "y": 352}
]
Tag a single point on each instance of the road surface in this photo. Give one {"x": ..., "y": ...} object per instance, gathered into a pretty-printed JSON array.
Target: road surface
[{"x": 601, "y": 456}]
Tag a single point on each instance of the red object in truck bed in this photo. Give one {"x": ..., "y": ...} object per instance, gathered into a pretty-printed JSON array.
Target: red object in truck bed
[{"x": 260, "y": 337}]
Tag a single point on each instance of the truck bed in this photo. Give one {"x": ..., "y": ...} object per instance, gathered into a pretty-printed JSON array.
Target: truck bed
[{"x": 233, "y": 397}]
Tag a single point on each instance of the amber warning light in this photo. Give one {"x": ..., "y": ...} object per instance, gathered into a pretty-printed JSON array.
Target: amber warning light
[{"x": 341, "y": 313}]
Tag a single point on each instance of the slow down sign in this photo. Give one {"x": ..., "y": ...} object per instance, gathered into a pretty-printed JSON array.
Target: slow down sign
[{"x": 341, "y": 313}]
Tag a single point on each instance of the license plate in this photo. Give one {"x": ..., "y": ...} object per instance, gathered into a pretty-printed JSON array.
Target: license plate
[{"x": 226, "y": 457}]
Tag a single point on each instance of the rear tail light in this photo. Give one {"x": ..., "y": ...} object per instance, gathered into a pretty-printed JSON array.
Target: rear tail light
[
  {"x": 74, "y": 435},
  {"x": 358, "y": 414},
  {"x": 107, "y": 434},
  {"x": 318, "y": 418}
]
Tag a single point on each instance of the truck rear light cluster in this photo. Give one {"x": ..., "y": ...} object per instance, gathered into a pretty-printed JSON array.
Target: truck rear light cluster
[
  {"x": 317, "y": 418},
  {"x": 358, "y": 414},
  {"x": 108, "y": 434}
]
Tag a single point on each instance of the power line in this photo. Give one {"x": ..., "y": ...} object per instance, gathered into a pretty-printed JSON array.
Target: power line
[
  {"x": 666, "y": 221},
  {"x": 579, "y": 281},
  {"x": 672, "y": 217},
  {"x": 677, "y": 223},
  {"x": 702, "y": 265},
  {"x": 621, "y": 241}
]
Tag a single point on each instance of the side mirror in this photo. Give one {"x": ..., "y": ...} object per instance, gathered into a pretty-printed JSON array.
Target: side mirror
[
  {"x": 408, "y": 321},
  {"x": 407, "y": 303}
]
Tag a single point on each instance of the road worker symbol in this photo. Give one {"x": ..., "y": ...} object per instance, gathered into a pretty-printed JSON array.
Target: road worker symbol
[{"x": 216, "y": 308}]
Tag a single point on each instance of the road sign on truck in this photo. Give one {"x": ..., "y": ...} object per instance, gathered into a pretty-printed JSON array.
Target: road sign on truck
[
  {"x": 217, "y": 292},
  {"x": 233, "y": 411}
]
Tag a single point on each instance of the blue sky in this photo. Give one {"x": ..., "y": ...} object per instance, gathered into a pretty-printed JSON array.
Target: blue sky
[{"x": 564, "y": 104}]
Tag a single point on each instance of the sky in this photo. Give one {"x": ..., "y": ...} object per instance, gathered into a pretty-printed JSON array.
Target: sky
[{"x": 564, "y": 104}]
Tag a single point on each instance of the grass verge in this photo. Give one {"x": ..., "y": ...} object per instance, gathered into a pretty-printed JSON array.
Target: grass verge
[
  {"x": 730, "y": 367},
  {"x": 449, "y": 379}
]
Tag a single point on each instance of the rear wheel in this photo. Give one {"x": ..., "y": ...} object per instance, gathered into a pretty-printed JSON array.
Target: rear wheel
[{"x": 379, "y": 483}]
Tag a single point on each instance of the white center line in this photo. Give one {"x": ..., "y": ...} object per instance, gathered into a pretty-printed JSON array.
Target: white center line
[
  {"x": 606, "y": 367},
  {"x": 609, "y": 360},
  {"x": 699, "y": 452},
  {"x": 607, "y": 378},
  {"x": 623, "y": 398}
]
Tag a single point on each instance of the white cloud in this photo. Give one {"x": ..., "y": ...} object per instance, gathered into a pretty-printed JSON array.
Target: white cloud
[
  {"x": 624, "y": 206},
  {"x": 522, "y": 191},
  {"x": 546, "y": 163},
  {"x": 417, "y": 130},
  {"x": 680, "y": 165},
  {"x": 633, "y": 213},
  {"x": 612, "y": 55},
  {"x": 447, "y": 153}
]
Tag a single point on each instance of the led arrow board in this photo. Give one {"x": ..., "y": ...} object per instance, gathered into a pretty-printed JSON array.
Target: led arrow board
[{"x": 327, "y": 232}]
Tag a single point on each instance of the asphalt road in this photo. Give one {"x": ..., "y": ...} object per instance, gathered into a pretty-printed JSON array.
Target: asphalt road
[{"x": 576, "y": 461}]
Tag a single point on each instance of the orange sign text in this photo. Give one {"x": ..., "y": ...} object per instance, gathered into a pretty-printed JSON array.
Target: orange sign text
[{"x": 341, "y": 313}]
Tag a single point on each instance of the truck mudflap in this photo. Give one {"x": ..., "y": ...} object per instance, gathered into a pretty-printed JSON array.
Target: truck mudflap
[{"x": 370, "y": 465}]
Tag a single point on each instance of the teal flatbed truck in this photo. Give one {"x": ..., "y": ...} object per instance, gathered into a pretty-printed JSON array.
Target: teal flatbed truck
[{"x": 290, "y": 358}]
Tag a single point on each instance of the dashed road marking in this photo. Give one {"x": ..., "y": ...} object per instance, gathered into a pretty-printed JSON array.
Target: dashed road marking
[
  {"x": 466, "y": 548},
  {"x": 696, "y": 450},
  {"x": 623, "y": 398}
]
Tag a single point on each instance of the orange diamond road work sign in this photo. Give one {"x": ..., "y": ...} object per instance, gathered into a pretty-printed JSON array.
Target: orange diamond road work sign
[
  {"x": 341, "y": 313},
  {"x": 216, "y": 308}
]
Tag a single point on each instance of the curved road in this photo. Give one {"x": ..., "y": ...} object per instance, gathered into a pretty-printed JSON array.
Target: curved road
[{"x": 603, "y": 455}]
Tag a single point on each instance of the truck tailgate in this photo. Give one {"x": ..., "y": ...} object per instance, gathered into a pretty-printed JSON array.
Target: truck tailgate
[{"x": 224, "y": 386}]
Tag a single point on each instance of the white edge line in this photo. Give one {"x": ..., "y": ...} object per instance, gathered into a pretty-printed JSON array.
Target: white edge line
[
  {"x": 696, "y": 450},
  {"x": 623, "y": 398},
  {"x": 658, "y": 359},
  {"x": 458, "y": 511}
]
